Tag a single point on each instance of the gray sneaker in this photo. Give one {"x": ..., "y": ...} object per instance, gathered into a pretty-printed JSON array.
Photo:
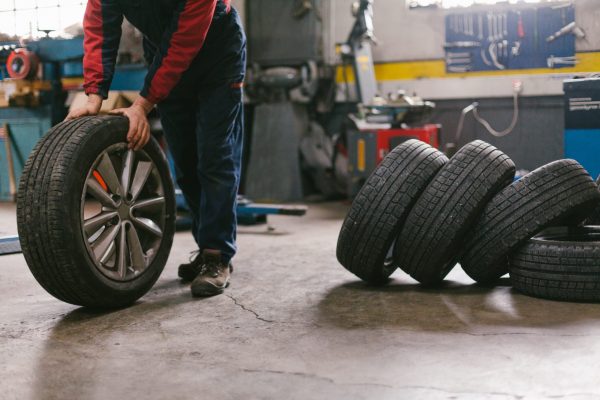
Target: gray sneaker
[{"x": 213, "y": 277}]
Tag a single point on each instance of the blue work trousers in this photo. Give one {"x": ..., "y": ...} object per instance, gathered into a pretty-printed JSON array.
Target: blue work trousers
[{"x": 203, "y": 123}]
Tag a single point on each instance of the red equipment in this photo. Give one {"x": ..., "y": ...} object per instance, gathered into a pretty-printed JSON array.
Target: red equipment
[{"x": 22, "y": 64}]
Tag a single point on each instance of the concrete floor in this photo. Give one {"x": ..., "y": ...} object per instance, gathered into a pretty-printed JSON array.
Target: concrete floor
[{"x": 295, "y": 325}]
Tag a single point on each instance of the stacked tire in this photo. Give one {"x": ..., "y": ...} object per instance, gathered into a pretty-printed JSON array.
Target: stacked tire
[{"x": 424, "y": 214}]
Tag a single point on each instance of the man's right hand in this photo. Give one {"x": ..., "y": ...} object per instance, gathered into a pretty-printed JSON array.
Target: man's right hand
[{"x": 92, "y": 107}]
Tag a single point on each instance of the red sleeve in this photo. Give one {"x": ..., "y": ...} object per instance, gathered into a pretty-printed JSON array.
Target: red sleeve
[
  {"x": 181, "y": 43},
  {"x": 102, "y": 33}
]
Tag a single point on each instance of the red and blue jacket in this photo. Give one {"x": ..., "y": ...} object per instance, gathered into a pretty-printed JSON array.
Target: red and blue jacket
[{"x": 177, "y": 29}]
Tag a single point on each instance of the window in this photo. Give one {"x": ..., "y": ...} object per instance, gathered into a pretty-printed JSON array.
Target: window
[
  {"x": 30, "y": 18},
  {"x": 465, "y": 3}
]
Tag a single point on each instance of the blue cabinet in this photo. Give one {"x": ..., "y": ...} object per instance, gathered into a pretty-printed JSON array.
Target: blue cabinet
[
  {"x": 27, "y": 126},
  {"x": 582, "y": 122}
]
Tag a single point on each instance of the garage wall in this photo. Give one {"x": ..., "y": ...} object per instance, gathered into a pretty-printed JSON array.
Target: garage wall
[
  {"x": 410, "y": 35},
  {"x": 418, "y": 34}
]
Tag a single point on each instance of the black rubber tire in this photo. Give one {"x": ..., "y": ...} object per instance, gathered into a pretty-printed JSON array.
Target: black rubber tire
[
  {"x": 435, "y": 228},
  {"x": 559, "y": 193},
  {"x": 381, "y": 207},
  {"x": 594, "y": 218},
  {"x": 49, "y": 214},
  {"x": 559, "y": 264}
]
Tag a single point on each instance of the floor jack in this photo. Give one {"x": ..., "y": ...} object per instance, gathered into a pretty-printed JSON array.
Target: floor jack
[
  {"x": 248, "y": 212},
  {"x": 9, "y": 245}
]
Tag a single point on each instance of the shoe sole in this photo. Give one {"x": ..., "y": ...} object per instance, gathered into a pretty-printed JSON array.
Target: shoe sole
[{"x": 208, "y": 290}]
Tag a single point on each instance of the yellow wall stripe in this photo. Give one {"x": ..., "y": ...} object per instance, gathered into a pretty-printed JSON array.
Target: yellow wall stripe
[{"x": 410, "y": 70}]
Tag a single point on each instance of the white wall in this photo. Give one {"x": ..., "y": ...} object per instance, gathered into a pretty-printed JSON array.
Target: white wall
[{"x": 419, "y": 34}]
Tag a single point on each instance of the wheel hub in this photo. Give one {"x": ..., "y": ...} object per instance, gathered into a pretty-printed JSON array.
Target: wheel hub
[
  {"x": 123, "y": 238},
  {"x": 124, "y": 211}
]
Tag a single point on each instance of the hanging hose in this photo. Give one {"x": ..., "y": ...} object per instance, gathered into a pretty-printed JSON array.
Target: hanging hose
[{"x": 474, "y": 107}]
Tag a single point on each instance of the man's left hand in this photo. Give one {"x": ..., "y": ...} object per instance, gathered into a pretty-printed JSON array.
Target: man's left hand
[{"x": 139, "y": 128}]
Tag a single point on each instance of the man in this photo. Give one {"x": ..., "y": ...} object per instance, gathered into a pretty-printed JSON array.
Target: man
[{"x": 196, "y": 51}]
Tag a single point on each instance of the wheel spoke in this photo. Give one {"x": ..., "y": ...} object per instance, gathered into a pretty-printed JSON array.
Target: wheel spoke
[
  {"x": 122, "y": 258},
  {"x": 92, "y": 225},
  {"x": 98, "y": 192},
  {"x": 148, "y": 225},
  {"x": 154, "y": 204},
  {"x": 139, "y": 180},
  {"x": 107, "y": 171},
  {"x": 109, "y": 253},
  {"x": 102, "y": 245},
  {"x": 138, "y": 258},
  {"x": 127, "y": 171}
]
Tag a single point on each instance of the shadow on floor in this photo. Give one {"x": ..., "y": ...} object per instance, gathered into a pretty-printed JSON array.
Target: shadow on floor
[
  {"x": 453, "y": 307},
  {"x": 85, "y": 340}
]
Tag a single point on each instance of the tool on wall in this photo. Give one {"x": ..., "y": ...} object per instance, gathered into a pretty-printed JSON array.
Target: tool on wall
[
  {"x": 569, "y": 28},
  {"x": 513, "y": 38},
  {"x": 553, "y": 61}
]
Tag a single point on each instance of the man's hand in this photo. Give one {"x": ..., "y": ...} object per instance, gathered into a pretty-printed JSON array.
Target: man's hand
[
  {"x": 92, "y": 107},
  {"x": 139, "y": 128}
]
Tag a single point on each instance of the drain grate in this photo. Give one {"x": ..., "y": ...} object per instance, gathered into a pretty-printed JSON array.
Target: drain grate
[{"x": 9, "y": 245}]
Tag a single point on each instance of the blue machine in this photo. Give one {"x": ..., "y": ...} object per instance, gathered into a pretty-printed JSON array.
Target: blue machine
[{"x": 582, "y": 122}]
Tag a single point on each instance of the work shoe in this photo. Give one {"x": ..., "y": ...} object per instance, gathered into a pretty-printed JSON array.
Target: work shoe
[
  {"x": 188, "y": 272},
  {"x": 213, "y": 277}
]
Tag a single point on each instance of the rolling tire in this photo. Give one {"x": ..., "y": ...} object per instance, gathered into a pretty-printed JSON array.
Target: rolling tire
[
  {"x": 594, "y": 219},
  {"x": 559, "y": 264},
  {"x": 86, "y": 240},
  {"x": 559, "y": 193},
  {"x": 381, "y": 207},
  {"x": 427, "y": 246}
]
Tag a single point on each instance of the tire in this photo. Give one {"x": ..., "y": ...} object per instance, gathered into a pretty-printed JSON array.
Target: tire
[
  {"x": 560, "y": 193},
  {"x": 427, "y": 246},
  {"x": 61, "y": 227},
  {"x": 594, "y": 218},
  {"x": 381, "y": 207},
  {"x": 559, "y": 264}
]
